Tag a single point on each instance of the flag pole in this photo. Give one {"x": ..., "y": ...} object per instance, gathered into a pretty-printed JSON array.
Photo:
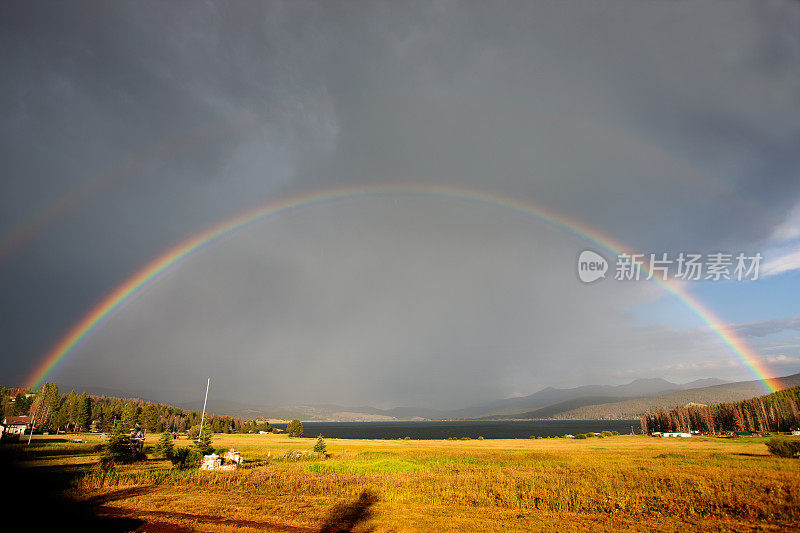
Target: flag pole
[{"x": 203, "y": 417}]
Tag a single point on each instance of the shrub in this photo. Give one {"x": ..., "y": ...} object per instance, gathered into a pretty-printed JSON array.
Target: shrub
[
  {"x": 783, "y": 447},
  {"x": 185, "y": 457},
  {"x": 299, "y": 455},
  {"x": 580, "y": 436},
  {"x": 118, "y": 449}
]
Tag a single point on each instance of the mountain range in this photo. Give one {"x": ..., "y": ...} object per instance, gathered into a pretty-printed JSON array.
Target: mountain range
[
  {"x": 589, "y": 401},
  {"x": 594, "y": 402}
]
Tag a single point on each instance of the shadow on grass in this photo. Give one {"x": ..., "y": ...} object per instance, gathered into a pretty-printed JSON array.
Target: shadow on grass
[
  {"x": 120, "y": 494},
  {"x": 38, "y": 501},
  {"x": 343, "y": 517},
  {"x": 38, "y": 450}
]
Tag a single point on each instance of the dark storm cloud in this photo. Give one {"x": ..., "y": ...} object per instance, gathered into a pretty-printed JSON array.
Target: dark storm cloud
[{"x": 667, "y": 125}]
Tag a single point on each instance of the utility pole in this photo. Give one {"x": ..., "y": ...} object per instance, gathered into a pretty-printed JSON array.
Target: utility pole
[
  {"x": 33, "y": 420},
  {"x": 203, "y": 416}
]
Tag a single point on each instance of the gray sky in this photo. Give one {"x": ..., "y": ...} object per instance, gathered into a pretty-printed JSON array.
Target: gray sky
[{"x": 130, "y": 126}]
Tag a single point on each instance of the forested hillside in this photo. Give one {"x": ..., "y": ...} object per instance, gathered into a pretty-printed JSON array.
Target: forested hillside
[
  {"x": 54, "y": 411},
  {"x": 778, "y": 411},
  {"x": 637, "y": 407}
]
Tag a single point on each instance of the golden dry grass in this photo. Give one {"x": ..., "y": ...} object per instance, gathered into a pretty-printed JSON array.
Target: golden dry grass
[{"x": 625, "y": 482}]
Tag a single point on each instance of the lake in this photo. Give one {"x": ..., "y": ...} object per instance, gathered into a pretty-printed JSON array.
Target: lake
[{"x": 488, "y": 429}]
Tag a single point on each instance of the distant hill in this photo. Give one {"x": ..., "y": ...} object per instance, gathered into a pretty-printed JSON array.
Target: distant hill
[
  {"x": 522, "y": 407},
  {"x": 599, "y": 402},
  {"x": 777, "y": 411},
  {"x": 595, "y": 402},
  {"x": 637, "y": 407},
  {"x": 546, "y": 403},
  {"x": 551, "y": 410},
  {"x": 306, "y": 413}
]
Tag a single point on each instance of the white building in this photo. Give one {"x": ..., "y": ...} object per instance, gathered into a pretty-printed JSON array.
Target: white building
[{"x": 16, "y": 425}]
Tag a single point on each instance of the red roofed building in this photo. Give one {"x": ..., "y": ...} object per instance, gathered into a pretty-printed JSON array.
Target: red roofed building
[{"x": 15, "y": 425}]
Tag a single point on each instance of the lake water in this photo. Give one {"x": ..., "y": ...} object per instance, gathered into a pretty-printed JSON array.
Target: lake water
[{"x": 488, "y": 429}]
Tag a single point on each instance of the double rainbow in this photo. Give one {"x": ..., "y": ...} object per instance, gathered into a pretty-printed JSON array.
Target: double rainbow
[{"x": 151, "y": 272}]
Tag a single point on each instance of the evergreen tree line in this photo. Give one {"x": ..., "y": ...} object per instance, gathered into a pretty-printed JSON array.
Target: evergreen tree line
[
  {"x": 771, "y": 413},
  {"x": 53, "y": 411},
  {"x": 14, "y": 402}
]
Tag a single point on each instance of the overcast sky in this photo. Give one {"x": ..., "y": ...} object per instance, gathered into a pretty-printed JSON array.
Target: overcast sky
[{"x": 127, "y": 127}]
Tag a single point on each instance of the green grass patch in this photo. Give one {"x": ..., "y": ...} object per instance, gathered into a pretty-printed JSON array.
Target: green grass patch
[{"x": 365, "y": 468}]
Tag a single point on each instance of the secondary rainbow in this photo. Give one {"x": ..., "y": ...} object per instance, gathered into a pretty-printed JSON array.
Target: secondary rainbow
[
  {"x": 47, "y": 214},
  {"x": 152, "y": 271}
]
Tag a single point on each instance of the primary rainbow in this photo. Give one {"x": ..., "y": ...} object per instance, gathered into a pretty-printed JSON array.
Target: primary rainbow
[{"x": 151, "y": 272}]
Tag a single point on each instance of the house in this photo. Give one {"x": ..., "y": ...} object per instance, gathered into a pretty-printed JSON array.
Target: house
[
  {"x": 675, "y": 434},
  {"x": 16, "y": 425},
  {"x": 12, "y": 427}
]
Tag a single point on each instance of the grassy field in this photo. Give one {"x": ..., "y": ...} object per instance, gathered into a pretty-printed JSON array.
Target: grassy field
[{"x": 623, "y": 482}]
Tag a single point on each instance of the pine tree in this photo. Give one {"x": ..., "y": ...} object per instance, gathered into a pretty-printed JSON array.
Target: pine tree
[
  {"x": 83, "y": 413},
  {"x": 45, "y": 405},
  {"x": 165, "y": 447},
  {"x": 71, "y": 407},
  {"x": 204, "y": 445},
  {"x": 20, "y": 404},
  {"x": 149, "y": 417},
  {"x": 118, "y": 447},
  {"x": 61, "y": 417},
  {"x": 130, "y": 414},
  {"x": 320, "y": 447},
  {"x": 9, "y": 408}
]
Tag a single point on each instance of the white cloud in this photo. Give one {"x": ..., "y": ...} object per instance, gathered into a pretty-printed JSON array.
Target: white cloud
[
  {"x": 762, "y": 328},
  {"x": 790, "y": 228},
  {"x": 779, "y": 363},
  {"x": 786, "y": 262},
  {"x": 784, "y": 256},
  {"x": 781, "y": 347}
]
